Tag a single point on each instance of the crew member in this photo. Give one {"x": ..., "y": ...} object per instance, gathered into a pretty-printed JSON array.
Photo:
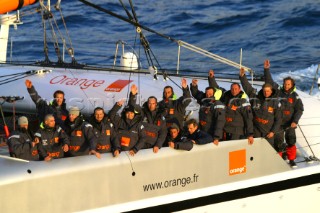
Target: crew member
[
  {"x": 292, "y": 109},
  {"x": 106, "y": 138},
  {"x": 175, "y": 108},
  {"x": 176, "y": 141},
  {"x": 57, "y": 107},
  {"x": 153, "y": 121},
  {"x": 53, "y": 140},
  {"x": 196, "y": 135},
  {"x": 22, "y": 143},
  {"x": 129, "y": 128},
  {"x": 265, "y": 109},
  {"x": 211, "y": 112},
  {"x": 80, "y": 132},
  {"x": 239, "y": 116}
]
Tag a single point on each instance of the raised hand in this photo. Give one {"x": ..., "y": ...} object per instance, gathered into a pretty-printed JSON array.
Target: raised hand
[
  {"x": 120, "y": 103},
  {"x": 242, "y": 72},
  {"x": 194, "y": 82},
  {"x": 266, "y": 64},
  {"x": 134, "y": 89},
  {"x": 211, "y": 73},
  {"x": 184, "y": 83},
  {"x": 28, "y": 84}
]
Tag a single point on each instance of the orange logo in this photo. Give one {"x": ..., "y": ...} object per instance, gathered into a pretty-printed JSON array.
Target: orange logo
[
  {"x": 260, "y": 120},
  {"x": 53, "y": 154},
  {"x": 125, "y": 141},
  {"x": 79, "y": 133},
  {"x": 233, "y": 107},
  {"x": 237, "y": 162},
  {"x": 228, "y": 119},
  {"x": 103, "y": 147},
  {"x": 151, "y": 134},
  {"x": 108, "y": 132},
  {"x": 203, "y": 123},
  {"x": 286, "y": 112},
  {"x": 56, "y": 139},
  {"x": 74, "y": 148},
  {"x": 34, "y": 152},
  {"x": 171, "y": 111},
  {"x": 117, "y": 86}
]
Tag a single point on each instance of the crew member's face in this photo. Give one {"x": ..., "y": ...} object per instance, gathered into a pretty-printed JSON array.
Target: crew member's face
[
  {"x": 99, "y": 115},
  {"x": 50, "y": 122},
  {"x": 72, "y": 117},
  {"x": 129, "y": 115},
  {"x": 267, "y": 92},
  {"x": 59, "y": 99},
  {"x": 209, "y": 93},
  {"x": 287, "y": 85},
  {"x": 192, "y": 128},
  {"x": 24, "y": 126},
  {"x": 152, "y": 104},
  {"x": 174, "y": 133},
  {"x": 167, "y": 92},
  {"x": 235, "y": 89}
]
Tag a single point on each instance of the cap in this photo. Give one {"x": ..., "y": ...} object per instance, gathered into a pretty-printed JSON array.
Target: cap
[
  {"x": 174, "y": 126},
  {"x": 74, "y": 111},
  {"x": 23, "y": 120}
]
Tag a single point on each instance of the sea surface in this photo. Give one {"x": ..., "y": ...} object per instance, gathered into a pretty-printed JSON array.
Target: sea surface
[{"x": 284, "y": 31}]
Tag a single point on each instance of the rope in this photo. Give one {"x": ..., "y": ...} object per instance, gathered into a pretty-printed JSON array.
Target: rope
[
  {"x": 306, "y": 140},
  {"x": 18, "y": 77}
]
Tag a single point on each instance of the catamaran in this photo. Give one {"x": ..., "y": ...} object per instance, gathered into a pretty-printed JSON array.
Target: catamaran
[{"x": 233, "y": 176}]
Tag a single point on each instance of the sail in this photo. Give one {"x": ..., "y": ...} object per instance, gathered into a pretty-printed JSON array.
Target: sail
[{"x": 11, "y": 5}]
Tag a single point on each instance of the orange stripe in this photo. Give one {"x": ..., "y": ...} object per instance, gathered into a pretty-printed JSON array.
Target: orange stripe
[{"x": 11, "y": 5}]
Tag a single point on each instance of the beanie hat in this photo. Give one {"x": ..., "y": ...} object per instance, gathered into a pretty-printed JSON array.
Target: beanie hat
[
  {"x": 130, "y": 108},
  {"x": 174, "y": 126},
  {"x": 22, "y": 120},
  {"x": 74, "y": 111}
]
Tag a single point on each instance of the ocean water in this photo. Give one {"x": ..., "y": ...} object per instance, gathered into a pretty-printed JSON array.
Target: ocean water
[{"x": 284, "y": 31}]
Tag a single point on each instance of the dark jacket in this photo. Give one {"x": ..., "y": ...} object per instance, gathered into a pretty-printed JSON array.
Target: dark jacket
[
  {"x": 175, "y": 109},
  {"x": 200, "y": 137},
  {"x": 266, "y": 111},
  {"x": 211, "y": 112},
  {"x": 82, "y": 138},
  {"x": 106, "y": 137},
  {"x": 20, "y": 145},
  {"x": 154, "y": 123},
  {"x": 291, "y": 104},
  {"x": 131, "y": 133},
  {"x": 52, "y": 141},
  {"x": 238, "y": 111},
  {"x": 239, "y": 118},
  {"x": 181, "y": 143},
  {"x": 60, "y": 113},
  {"x": 212, "y": 118}
]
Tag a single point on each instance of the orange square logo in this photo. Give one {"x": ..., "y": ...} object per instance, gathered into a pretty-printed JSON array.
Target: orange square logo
[
  {"x": 125, "y": 141},
  {"x": 117, "y": 86},
  {"x": 79, "y": 133},
  {"x": 237, "y": 162},
  {"x": 108, "y": 132},
  {"x": 171, "y": 111}
]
